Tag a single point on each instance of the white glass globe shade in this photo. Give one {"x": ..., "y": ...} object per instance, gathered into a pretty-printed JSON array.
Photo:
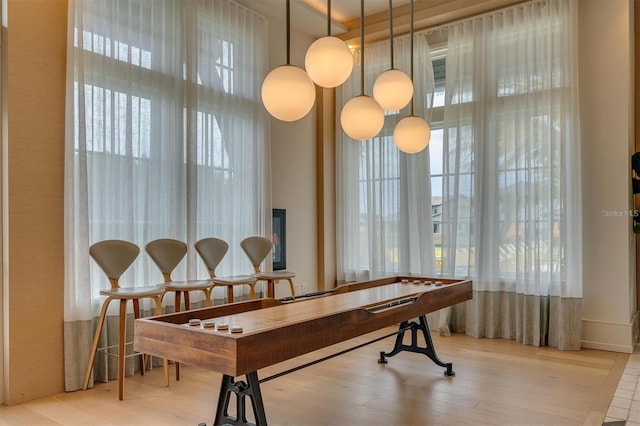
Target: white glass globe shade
[
  {"x": 412, "y": 134},
  {"x": 393, "y": 90},
  {"x": 288, "y": 93},
  {"x": 362, "y": 118},
  {"x": 329, "y": 62}
]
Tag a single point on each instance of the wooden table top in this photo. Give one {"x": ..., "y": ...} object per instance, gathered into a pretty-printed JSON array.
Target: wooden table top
[{"x": 273, "y": 331}]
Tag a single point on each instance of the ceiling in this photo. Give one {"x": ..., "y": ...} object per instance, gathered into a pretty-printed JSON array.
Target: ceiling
[
  {"x": 309, "y": 16},
  {"x": 346, "y": 10}
]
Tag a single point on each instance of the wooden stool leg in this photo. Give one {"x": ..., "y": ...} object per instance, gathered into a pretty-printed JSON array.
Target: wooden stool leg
[
  {"x": 136, "y": 315},
  {"x": 207, "y": 296},
  {"x": 178, "y": 301},
  {"x": 178, "y": 308},
  {"x": 187, "y": 301},
  {"x": 252, "y": 291},
  {"x": 96, "y": 340},
  {"x": 229, "y": 294},
  {"x": 121, "y": 346},
  {"x": 271, "y": 292},
  {"x": 165, "y": 361},
  {"x": 293, "y": 292}
]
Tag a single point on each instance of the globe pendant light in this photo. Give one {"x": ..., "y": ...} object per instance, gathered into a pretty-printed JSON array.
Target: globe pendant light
[
  {"x": 329, "y": 60},
  {"x": 362, "y": 117},
  {"x": 287, "y": 91},
  {"x": 412, "y": 133},
  {"x": 393, "y": 88}
]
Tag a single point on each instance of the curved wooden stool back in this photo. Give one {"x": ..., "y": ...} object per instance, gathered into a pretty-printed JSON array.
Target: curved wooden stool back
[
  {"x": 257, "y": 249},
  {"x": 167, "y": 253},
  {"x": 212, "y": 251}
]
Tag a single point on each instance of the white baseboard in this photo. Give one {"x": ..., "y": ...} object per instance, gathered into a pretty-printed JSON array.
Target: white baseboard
[{"x": 610, "y": 336}]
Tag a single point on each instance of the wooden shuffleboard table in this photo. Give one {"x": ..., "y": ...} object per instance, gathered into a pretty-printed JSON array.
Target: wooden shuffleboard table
[{"x": 241, "y": 338}]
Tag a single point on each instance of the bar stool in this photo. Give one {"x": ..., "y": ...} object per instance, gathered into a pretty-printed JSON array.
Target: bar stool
[
  {"x": 212, "y": 250},
  {"x": 257, "y": 249},
  {"x": 114, "y": 257},
  {"x": 167, "y": 253}
]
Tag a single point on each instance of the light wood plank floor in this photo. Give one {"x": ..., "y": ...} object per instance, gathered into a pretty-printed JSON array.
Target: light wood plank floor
[{"x": 497, "y": 382}]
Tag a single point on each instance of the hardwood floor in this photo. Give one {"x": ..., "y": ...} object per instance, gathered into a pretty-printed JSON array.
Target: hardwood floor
[{"x": 497, "y": 382}]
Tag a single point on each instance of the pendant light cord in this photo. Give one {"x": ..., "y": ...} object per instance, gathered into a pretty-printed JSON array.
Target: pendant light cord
[
  {"x": 288, "y": 16},
  {"x": 329, "y": 18},
  {"x": 391, "y": 31},
  {"x": 361, "y": 47},
  {"x": 411, "y": 48}
]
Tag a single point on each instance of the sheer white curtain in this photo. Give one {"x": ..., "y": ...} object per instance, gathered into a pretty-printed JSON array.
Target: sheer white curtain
[
  {"x": 166, "y": 138},
  {"x": 384, "y": 196},
  {"x": 511, "y": 185}
]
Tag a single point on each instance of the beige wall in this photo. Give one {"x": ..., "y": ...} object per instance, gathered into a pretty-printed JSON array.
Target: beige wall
[
  {"x": 326, "y": 188},
  {"x": 606, "y": 107},
  {"x": 33, "y": 199}
]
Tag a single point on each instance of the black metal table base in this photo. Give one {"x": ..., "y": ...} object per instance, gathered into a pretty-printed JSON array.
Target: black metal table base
[
  {"x": 427, "y": 350},
  {"x": 251, "y": 388}
]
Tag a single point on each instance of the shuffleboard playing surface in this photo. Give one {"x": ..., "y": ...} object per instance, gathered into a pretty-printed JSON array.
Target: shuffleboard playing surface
[{"x": 274, "y": 331}]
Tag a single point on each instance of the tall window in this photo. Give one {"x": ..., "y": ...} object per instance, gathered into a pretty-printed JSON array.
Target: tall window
[
  {"x": 510, "y": 178},
  {"x": 384, "y": 221},
  {"x": 496, "y": 195},
  {"x": 166, "y": 135},
  {"x": 436, "y": 158},
  {"x": 508, "y": 120}
]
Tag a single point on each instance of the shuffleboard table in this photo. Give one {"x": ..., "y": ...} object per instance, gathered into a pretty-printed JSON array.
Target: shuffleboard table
[{"x": 241, "y": 338}]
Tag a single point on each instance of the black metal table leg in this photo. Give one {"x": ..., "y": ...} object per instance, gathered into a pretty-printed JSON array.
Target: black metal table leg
[
  {"x": 427, "y": 350},
  {"x": 241, "y": 389},
  {"x": 251, "y": 388}
]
